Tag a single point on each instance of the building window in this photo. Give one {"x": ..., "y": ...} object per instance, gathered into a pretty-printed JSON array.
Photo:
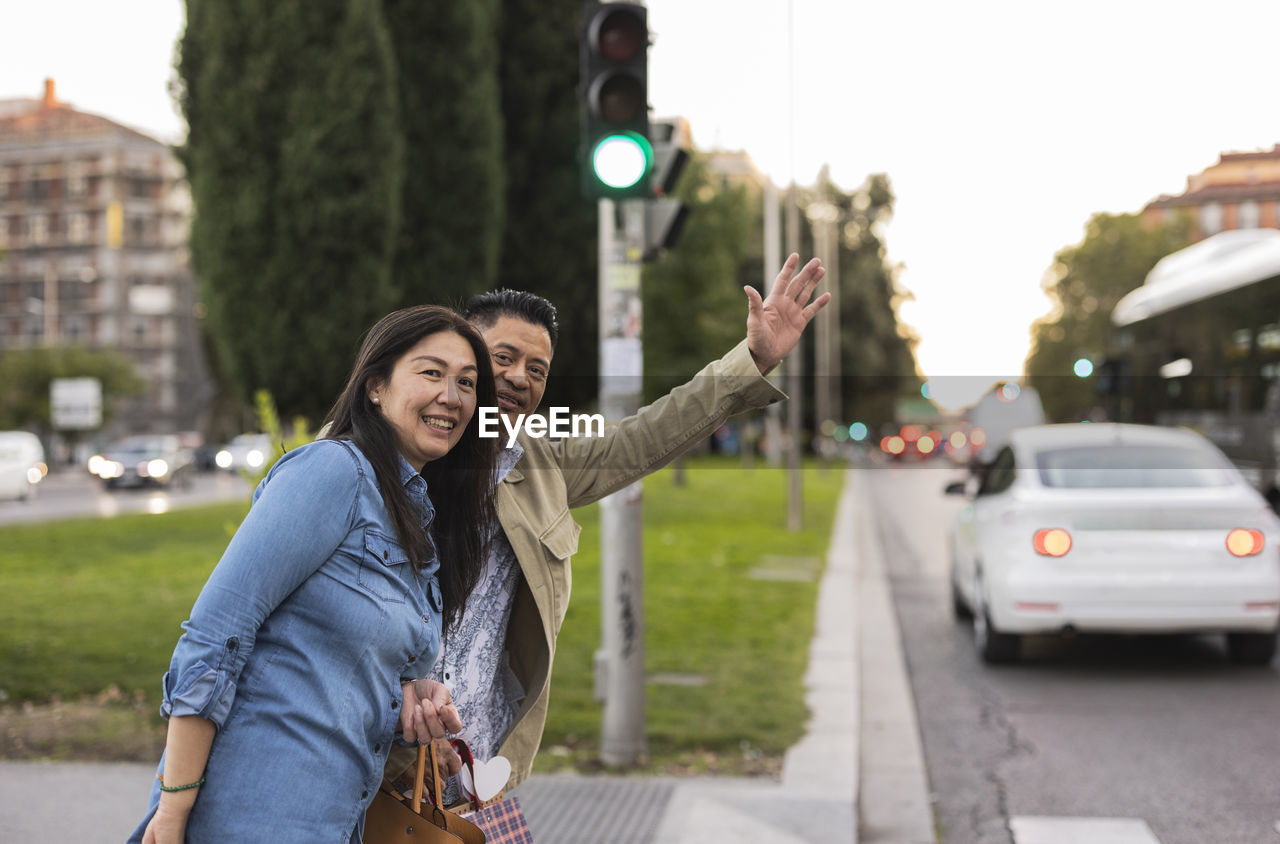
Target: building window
[
  {"x": 78, "y": 228},
  {"x": 1250, "y": 215},
  {"x": 77, "y": 178},
  {"x": 1211, "y": 218},
  {"x": 37, "y": 230}
]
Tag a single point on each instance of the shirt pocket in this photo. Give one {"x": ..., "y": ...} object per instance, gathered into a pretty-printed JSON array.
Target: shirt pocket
[
  {"x": 559, "y": 544},
  {"x": 384, "y": 567}
]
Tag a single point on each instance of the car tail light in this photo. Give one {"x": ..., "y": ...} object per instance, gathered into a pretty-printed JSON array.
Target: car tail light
[
  {"x": 1244, "y": 542},
  {"x": 1052, "y": 542}
]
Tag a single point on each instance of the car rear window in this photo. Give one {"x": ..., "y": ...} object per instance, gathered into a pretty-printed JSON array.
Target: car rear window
[{"x": 1130, "y": 466}]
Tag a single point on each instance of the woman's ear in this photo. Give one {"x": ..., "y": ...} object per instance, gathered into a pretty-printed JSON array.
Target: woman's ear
[{"x": 374, "y": 391}]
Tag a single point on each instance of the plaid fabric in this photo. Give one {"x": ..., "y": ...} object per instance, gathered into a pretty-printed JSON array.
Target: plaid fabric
[{"x": 503, "y": 822}]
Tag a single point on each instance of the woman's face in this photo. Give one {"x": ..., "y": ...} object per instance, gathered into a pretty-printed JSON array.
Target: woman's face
[{"x": 430, "y": 396}]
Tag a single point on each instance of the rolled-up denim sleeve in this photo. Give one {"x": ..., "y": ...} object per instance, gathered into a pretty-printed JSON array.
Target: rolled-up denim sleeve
[{"x": 300, "y": 515}]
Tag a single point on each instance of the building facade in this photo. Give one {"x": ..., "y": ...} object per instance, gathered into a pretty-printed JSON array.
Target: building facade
[
  {"x": 94, "y": 220},
  {"x": 1241, "y": 191}
]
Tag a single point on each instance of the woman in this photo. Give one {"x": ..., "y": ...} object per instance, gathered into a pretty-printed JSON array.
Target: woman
[{"x": 284, "y": 693}]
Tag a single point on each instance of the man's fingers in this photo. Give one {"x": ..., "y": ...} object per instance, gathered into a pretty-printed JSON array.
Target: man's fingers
[
  {"x": 754, "y": 303},
  {"x": 816, "y": 305},
  {"x": 784, "y": 275},
  {"x": 804, "y": 283}
]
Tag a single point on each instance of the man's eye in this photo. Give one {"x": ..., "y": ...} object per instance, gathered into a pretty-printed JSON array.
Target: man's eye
[
  {"x": 502, "y": 359},
  {"x": 540, "y": 374}
]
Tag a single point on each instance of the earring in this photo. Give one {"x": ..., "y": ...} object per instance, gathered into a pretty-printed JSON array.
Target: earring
[{"x": 374, "y": 399}]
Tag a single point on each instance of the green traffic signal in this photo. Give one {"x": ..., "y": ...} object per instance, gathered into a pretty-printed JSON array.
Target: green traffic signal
[{"x": 620, "y": 161}]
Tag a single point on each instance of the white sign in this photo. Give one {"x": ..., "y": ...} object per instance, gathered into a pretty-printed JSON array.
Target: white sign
[{"x": 76, "y": 403}]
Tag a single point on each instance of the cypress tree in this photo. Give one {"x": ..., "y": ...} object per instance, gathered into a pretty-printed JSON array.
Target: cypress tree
[
  {"x": 294, "y": 156},
  {"x": 452, "y": 198},
  {"x": 549, "y": 243}
]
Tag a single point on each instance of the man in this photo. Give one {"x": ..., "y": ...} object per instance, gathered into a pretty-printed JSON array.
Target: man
[{"x": 497, "y": 662}]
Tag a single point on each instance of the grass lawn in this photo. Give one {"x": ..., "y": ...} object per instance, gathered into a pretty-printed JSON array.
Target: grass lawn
[
  {"x": 707, "y": 618},
  {"x": 91, "y": 609}
]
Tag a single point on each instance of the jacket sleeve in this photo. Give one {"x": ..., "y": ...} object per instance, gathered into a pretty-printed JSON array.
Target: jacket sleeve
[
  {"x": 594, "y": 467},
  {"x": 300, "y": 515}
]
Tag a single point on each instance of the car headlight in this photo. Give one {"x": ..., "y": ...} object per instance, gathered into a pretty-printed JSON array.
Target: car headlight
[
  {"x": 33, "y": 475},
  {"x": 96, "y": 463},
  {"x": 255, "y": 458},
  {"x": 110, "y": 469},
  {"x": 157, "y": 468},
  {"x": 223, "y": 459}
]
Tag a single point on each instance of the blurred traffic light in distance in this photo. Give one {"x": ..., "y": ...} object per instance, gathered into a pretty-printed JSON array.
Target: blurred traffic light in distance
[{"x": 614, "y": 93}]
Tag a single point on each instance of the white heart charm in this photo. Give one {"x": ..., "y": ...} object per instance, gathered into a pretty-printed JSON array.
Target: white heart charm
[{"x": 491, "y": 777}]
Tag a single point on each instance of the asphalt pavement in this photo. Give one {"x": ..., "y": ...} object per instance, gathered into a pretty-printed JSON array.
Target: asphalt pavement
[{"x": 856, "y": 775}]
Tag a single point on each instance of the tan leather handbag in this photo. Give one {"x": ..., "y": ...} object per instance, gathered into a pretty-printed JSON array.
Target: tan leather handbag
[{"x": 394, "y": 819}]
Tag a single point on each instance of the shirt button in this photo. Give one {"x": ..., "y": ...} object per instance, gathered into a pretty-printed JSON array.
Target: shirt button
[
  {"x": 427, "y": 620},
  {"x": 395, "y": 704},
  {"x": 412, "y": 658},
  {"x": 364, "y": 794},
  {"x": 377, "y": 747}
]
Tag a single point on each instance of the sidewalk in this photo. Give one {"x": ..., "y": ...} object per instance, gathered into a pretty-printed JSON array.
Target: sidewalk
[{"x": 856, "y": 776}]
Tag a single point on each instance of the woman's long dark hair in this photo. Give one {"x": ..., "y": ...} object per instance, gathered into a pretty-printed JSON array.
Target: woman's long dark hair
[{"x": 460, "y": 483}]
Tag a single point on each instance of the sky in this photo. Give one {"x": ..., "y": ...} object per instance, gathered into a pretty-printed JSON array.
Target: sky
[{"x": 1003, "y": 125}]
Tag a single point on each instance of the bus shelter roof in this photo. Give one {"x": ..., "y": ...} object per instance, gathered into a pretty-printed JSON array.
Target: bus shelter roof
[{"x": 1226, "y": 261}]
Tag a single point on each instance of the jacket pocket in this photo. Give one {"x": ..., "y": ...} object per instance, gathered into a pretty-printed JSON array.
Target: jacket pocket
[
  {"x": 560, "y": 543},
  {"x": 384, "y": 567}
]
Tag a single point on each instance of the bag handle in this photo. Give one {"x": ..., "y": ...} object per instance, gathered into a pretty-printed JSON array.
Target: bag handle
[{"x": 419, "y": 780}]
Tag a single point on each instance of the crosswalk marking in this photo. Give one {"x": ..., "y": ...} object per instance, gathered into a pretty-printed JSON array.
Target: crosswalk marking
[{"x": 1028, "y": 829}]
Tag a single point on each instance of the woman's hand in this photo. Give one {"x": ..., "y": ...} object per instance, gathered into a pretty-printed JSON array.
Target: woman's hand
[
  {"x": 167, "y": 826},
  {"x": 428, "y": 712}
]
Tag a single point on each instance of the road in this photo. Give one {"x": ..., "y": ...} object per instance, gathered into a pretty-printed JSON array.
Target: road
[
  {"x": 72, "y": 494},
  {"x": 1156, "y": 730}
]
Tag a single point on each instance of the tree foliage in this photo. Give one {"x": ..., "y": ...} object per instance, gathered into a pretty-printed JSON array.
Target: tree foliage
[
  {"x": 295, "y": 157},
  {"x": 549, "y": 238},
  {"x": 1086, "y": 282},
  {"x": 452, "y": 200},
  {"x": 694, "y": 307},
  {"x": 877, "y": 352},
  {"x": 25, "y": 376}
]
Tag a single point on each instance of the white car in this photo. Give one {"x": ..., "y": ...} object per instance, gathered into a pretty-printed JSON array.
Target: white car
[
  {"x": 247, "y": 452},
  {"x": 1115, "y": 529},
  {"x": 22, "y": 464}
]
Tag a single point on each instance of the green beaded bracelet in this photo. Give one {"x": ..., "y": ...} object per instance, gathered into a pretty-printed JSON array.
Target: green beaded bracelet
[{"x": 186, "y": 787}]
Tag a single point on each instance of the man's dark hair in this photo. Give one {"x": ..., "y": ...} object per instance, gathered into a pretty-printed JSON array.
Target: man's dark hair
[{"x": 487, "y": 308}]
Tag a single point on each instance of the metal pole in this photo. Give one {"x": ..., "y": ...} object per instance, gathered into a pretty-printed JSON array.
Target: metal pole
[
  {"x": 620, "y": 660},
  {"x": 795, "y": 391},
  {"x": 795, "y": 360},
  {"x": 772, "y": 260}
]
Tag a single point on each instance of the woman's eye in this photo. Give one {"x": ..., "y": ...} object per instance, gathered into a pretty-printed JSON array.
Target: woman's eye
[
  {"x": 467, "y": 382},
  {"x": 431, "y": 373}
]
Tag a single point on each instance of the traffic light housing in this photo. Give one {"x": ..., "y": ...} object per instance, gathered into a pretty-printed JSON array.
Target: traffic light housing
[
  {"x": 665, "y": 215},
  {"x": 614, "y": 94}
]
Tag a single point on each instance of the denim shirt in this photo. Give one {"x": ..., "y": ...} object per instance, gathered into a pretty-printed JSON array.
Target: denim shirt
[{"x": 295, "y": 649}]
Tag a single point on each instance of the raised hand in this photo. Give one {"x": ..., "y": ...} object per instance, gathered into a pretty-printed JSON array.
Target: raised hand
[{"x": 774, "y": 325}]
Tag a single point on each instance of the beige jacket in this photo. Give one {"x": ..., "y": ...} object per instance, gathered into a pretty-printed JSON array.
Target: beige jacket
[{"x": 552, "y": 477}]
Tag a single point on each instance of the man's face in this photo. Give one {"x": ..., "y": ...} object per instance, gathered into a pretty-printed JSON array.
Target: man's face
[{"x": 521, "y": 354}]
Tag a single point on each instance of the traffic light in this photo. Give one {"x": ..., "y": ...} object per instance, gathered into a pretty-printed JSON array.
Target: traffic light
[
  {"x": 665, "y": 216},
  {"x": 614, "y": 93}
]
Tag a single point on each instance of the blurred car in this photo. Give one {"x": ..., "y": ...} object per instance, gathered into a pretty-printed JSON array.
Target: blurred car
[
  {"x": 246, "y": 451},
  {"x": 22, "y": 464},
  {"x": 1118, "y": 529},
  {"x": 145, "y": 460}
]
